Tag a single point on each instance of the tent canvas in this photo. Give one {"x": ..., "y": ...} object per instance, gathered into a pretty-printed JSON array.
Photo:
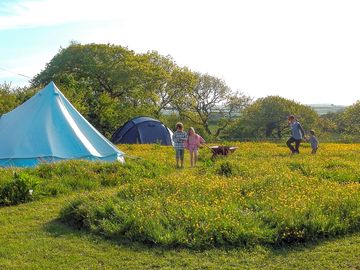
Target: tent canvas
[
  {"x": 47, "y": 128},
  {"x": 143, "y": 130}
]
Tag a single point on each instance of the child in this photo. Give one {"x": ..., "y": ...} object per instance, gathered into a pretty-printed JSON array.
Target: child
[
  {"x": 179, "y": 137},
  {"x": 297, "y": 133},
  {"x": 314, "y": 142},
  {"x": 193, "y": 143}
]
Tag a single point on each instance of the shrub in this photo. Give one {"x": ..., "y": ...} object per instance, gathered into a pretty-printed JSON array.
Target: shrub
[
  {"x": 225, "y": 169},
  {"x": 19, "y": 190}
]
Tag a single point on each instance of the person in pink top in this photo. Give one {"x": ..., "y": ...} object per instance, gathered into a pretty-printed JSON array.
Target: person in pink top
[{"x": 193, "y": 143}]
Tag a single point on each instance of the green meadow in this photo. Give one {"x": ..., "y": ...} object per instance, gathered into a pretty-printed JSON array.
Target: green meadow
[{"x": 258, "y": 208}]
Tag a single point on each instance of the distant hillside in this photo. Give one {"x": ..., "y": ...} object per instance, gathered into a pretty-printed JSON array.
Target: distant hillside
[
  {"x": 327, "y": 108},
  {"x": 319, "y": 108}
]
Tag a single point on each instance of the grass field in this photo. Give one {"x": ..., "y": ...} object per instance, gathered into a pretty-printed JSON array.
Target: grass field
[{"x": 260, "y": 208}]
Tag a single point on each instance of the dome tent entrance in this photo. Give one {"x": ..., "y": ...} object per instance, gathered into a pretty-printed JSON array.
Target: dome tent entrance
[
  {"x": 47, "y": 128},
  {"x": 143, "y": 130}
]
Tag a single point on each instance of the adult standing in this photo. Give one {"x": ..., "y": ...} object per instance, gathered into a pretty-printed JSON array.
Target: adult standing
[{"x": 297, "y": 134}]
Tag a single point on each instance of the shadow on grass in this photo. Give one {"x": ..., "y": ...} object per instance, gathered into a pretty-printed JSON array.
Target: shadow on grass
[{"x": 57, "y": 229}]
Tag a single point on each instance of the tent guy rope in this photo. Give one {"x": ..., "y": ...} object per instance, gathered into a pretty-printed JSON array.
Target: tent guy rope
[{"x": 15, "y": 73}]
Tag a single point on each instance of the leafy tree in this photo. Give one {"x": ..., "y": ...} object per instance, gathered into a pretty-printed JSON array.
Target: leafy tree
[
  {"x": 210, "y": 97},
  {"x": 102, "y": 66},
  {"x": 111, "y": 84},
  {"x": 267, "y": 118},
  {"x": 165, "y": 82},
  {"x": 11, "y": 97},
  {"x": 330, "y": 122},
  {"x": 7, "y": 98},
  {"x": 349, "y": 120}
]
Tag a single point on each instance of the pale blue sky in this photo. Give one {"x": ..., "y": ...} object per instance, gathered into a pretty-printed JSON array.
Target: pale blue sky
[{"x": 303, "y": 50}]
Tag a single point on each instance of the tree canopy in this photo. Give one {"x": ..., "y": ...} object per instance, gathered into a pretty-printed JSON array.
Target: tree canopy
[
  {"x": 267, "y": 118},
  {"x": 348, "y": 121},
  {"x": 11, "y": 97},
  {"x": 110, "y": 84}
]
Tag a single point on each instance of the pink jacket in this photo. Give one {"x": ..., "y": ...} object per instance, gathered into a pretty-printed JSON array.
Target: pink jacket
[{"x": 193, "y": 142}]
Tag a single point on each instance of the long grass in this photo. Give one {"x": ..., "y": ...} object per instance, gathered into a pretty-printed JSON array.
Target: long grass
[
  {"x": 19, "y": 185},
  {"x": 31, "y": 237},
  {"x": 258, "y": 195}
]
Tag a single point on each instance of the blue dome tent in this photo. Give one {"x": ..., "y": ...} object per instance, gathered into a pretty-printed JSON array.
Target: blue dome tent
[
  {"x": 47, "y": 128},
  {"x": 143, "y": 130}
]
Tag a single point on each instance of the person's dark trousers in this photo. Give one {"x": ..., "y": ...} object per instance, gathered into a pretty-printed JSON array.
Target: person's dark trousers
[{"x": 292, "y": 148}]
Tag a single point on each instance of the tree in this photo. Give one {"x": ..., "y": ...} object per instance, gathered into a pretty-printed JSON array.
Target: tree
[
  {"x": 11, "y": 97},
  {"x": 330, "y": 122},
  {"x": 349, "y": 120},
  {"x": 165, "y": 81},
  {"x": 102, "y": 66},
  {"x": 111, "y": 81},
  {"x": 7, "y": 98},
  {"x": 267, "y": 118},
  {"x": 110, "y": 84},
  {"x": 210, "y": 97}
]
